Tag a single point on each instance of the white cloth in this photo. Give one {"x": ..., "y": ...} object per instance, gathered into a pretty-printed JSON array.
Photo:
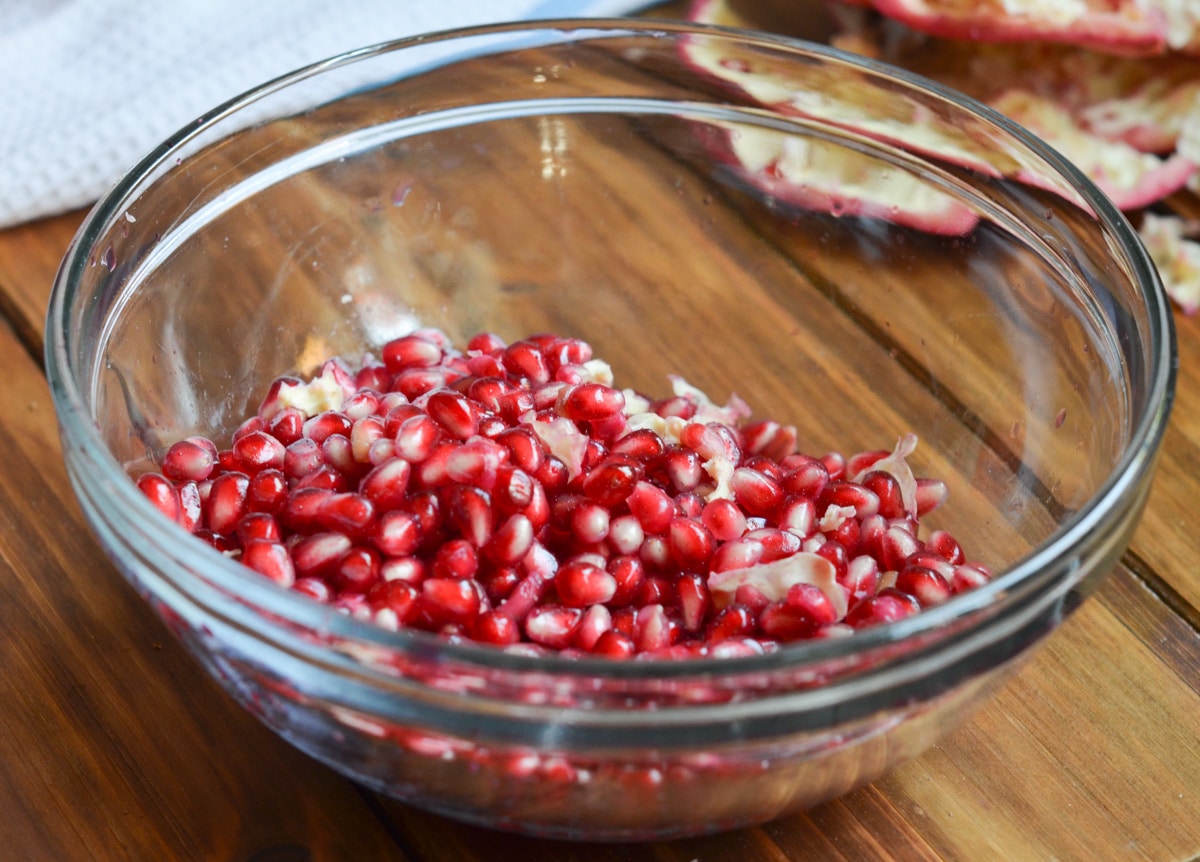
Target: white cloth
[{"x": 87, "y": 87}]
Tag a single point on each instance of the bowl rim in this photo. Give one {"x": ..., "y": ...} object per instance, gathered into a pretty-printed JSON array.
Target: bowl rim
[{"x": 1048, "y": 562}]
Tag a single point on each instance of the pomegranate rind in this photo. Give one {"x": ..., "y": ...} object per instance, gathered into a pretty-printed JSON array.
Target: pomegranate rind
[
  {"x": 1120, "y": 27},
  {"x": 775, "y": 578},
  {"x": 897, "y": 465},
  {"x": 1171, "y": 244}
]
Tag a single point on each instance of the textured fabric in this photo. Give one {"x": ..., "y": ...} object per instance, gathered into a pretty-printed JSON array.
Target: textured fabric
[{"x": 87, "y": 87}]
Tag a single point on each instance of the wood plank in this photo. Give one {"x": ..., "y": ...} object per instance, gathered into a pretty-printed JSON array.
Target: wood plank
[{"x": 115, "y": 744}]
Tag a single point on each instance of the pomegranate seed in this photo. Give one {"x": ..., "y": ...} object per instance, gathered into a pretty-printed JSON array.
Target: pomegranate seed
[
  {"x": 159, "y": 491},
  {"x": 689, "y": 505},
  {"x": 806, "y": 480},
  {"x": 804, "y": 610},
  {"x": 734, "y": 621},
  {"x": 315, "y": 588},
  {"x": 694, "y": 600},
  {"x": 896, "y": 546},
  {"x": 755, "y": 492},
  {"x": 395, "y": 603},
  {"x": 652, "y": 507},
  {"x": 455, "y": 413},
  {"x": 191, "y": 506},
  {"x": 258, "y": 526},
  {"x": 552, "y": 625},
  {"x": 526, "y": 450},
  {"x": 302, "y": 458},
  {"x": 526, "y": 360},
  {"x": 629, "y": 575},
  {"x": 470, "y": 511},
  {"x": 189, "y": 460},
  {"x": 267, "y": 491},
  {"x": 651, "y": 629},
  {"x": 737, "y": 554},
  {"x": 625, "y": 534},
  {"x": 835, "y": 465},
  {"x": 642, "y": 444},
  {"x": 357, "y": 571},
  {"x": 271, "y": 560},
  {"x": 476, "y": 462},
  {"x": 848, "y": 495},
  {"x": 409, "y": 570},
  {"x": 410, "y": 351},
  {"x": 455, "y": 559},
  {"x": 798, "y": 515},
  {"x": 724, "y": 520},
  {"x": 416, "y": 438},
  {"x": 613, "y": 480},
  {"x": 375, "y": 377},
  {"x": 711, "y": 441},
  {"x": 682, "y": 469},
  {"x": 924, "y": 584},
  {"x": 887, "y": 489},
  {"x": 301, "y": 508},
  {"x": 861, "y": 578},
  {"x": 862, "y": 462},
  {"x": 363, "y": 435},
  {"x": 580, "y": 584},
  {"x": 886, "y": 607},
  {"x": 590, "y": 522},
  {"x": 691, "y": 543},
  {"x": 596, "y": 621},
  {"x": 226, "y": 503},
  {"x": 493, "y": 627},
  {"x": 450, "y": 600},
  {"x": 946, "y": 546},
  {"x": 590, "y": 401},
  {"x": 349, "y": 513},
  {"x": 499, "y": 583},
  {"x": 397, "y": 533},
  {"x": 316, "y": 555},
  {"x": 614, "y": 644},
  {"x": 930, "y": 494},
  {"x": 512, "y": 541},
  {"x": 326, "y": 424},
  {"x": 386, "y": 486},
  {"x": 968, "y": 576},
  {"x": 360, "y": 405},
  {"x": 486, "y": 342}
]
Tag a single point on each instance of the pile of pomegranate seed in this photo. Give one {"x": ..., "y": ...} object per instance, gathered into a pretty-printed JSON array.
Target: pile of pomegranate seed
[{"x": 509, "y": 494}]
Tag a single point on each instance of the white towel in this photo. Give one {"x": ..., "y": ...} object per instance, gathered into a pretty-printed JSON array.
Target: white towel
[{"x": 87, "y": 87}]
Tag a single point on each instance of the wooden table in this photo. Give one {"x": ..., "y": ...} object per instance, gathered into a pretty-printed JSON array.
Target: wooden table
[{"x": 114, "y": 744}]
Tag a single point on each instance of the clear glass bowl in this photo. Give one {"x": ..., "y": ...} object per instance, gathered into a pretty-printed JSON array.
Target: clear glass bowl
[{"x": 615, "y": 182}]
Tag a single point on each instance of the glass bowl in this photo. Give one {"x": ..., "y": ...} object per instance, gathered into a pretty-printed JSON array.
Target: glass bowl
[{"x": 849, "y": 248}]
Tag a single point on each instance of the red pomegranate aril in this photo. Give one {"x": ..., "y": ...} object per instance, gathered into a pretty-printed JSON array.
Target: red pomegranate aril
[
  {"x": 456, "y": 559},
  {"x": 932, "y": 560},
  {"x": 324, "y": 424},
  {"x": 386, "y": 485},
  {"x": 798, "y": 516},
  {"x": 614, "y": 644},
  {"x": 189, "y": 460},
  {"x": 525, "y": 449},
  {"x": 410, "y": 351},
  {"x": 512, "y": 541},
  {"x": 267, "y": 491},
  {"x": 849, "y": 495},
  {"x": 946, "y": 546},
  {"x": 302, "y": 457},
  {"x": 258, "y": 450},
  {"x": 581, "y": 584},
  {"x": 590, "y": 522},
  {"x": 896, "y": 546},
  {"x": 755, "y": 492},
  {"x": 629, "y": 574},
  {"x": 885, "y": 486},
  {"x": 258, "y": 526},
  {"x": 737, "y": 554},
  {"x": 191, "y": 506},
  {"x": 724, "y": 520},
  {"x": 861, "y": 462},
  {"x": 514, "y": 405},
  {"x": 396, "y": 533},
  {"x": 499, "y": 583},
  {"x": 454, "y": 412},
  {"x": 486, "y": 342},
  {"x": 374, "y": 377},
  {"x": 835, "y": 465},
  {"x": 613, "y": 480},
  {"x": 652, "y": 506},
  {"x": 886, "y": 607},
  {"x": 271, "y": 560},
  {"x": 363, "y": 435},
  {"x": 226, "y": 503},
  {"x": 410, "y": 570},
  {"x": 733, "y": 621},
  {"x": 470, "y": 511},
  {"x": 315, "y": 588},
  {"x": 250, "y": 426},
  {"x": 655, "y": 553},
  {"x": 302, "y": 507},
  {"x": 695, "y": 600},
  {"x": 642, "y": 444},
  {"x": 682, "y": 469},
  {"x": 596, "y": 620},
  {"x": 563, "y": 351},
  {"x": 524, "y": 359},
  {"x": 806, "y": 480},
  {"x": 590, "y": 401},
  {"x": 835, "y": 552},
  {"x": 776, "y": 544},
  {"x": 968, "y": 576},
  {"x": 861, "y": 578},
  {"x": 338, "y": 452},
  {"x": 416, "y": 438},
  {"x": 349, "y": 513},
  {"x": 450, "y": 600},
  {"x": 651, "y": 628},
  {"x": 395, "y": 603},
  {"x": 689, "y": 505},
  {"x": 804, "y": 610},
  {"x": 495, "y": 628},
  {"x": 316, "y": 555},
  {"x": 924, "y": 584},
  {"x": 691, "y": 544},
  {"x": 552, "y": 626},
  {"x": 656, "y": 589},
  {"x": 357, "y": 571},
  {"x": 553, "y": 475},
  {"x": 930, "y": 494},
  {"x": 360, "y": 405},
  {"x": 415, "y": 382},
  {"x": 476, "y": 462},
  {"x": 160, "y": 491}
]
